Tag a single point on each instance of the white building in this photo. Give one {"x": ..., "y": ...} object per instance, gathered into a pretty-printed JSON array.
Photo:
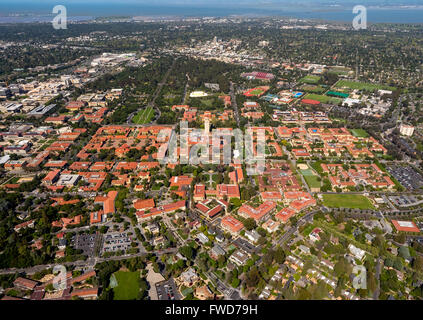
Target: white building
[
  {"x": 198, "y": 94},
  {"x": 202, "y": 238},
  {"x": 383, "y": 92},
  {"x": 350, "y": 102},
  {"x": 252, "y": 235},
  {"x": 406, "y": 130},
  {"x": 189, "y": 276},
  {"x": 4, "y": 159},
  {"x": 356, "y": 252},
  {"x": 304, "y": 249},
  {"x": 239, "y": 257},
  {"x": 68, "y": 180}
]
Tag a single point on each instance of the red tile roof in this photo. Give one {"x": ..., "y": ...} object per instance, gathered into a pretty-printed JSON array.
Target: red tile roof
[
  {"x": 25, "y": 283},
  {"x": 310, "y": 101},
  {"x": 144, "y": 204},
  {"x": 257, "y": 213},
  {"x": 108, "y": 202},
  {"x": 271, "y": 195},
  {"x": 229, "y": 190},
  {"x": 85, "y": 292},
  {"x": 408, "y": 226},
  {"x": 232, "y": 224},
  {"x": 49, "y": 178}
]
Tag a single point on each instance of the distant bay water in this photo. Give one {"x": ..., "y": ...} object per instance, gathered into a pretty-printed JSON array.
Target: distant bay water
[{"x": 41, "y": 12}]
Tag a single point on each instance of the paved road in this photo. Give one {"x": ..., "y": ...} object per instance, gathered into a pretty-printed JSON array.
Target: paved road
[
  {"x": 184, "y": 98},
  {"x": 169, "y": 225},
  {"x": 234, "y": 103},
  {"x": 377, "y": 276},
  {"x": 307, "y": 217},
  {"x": 229, "y": 293},
  {"x": 89, "y": 263}
]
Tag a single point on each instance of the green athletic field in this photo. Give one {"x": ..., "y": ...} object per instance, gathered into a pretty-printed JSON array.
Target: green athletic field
[
  {"x": 339, "y": 70},
  {"x": 363, "y": 85},
  {"x": 354, "y": 201},
  {"x": 310, "y": 178},
  {"x": 310, "y": 79},
  {"x": 128, "y": 285},
  {"x": 312, "y": 181},
  {"x": 313, "y": 89},
  {"x": 323, "y": 99},
  {"x": 306, "y": 172},
  {"x": 256, "y": 92},
  {"x": 359, "y": 133},
  {"x": 144, "y": 116}
]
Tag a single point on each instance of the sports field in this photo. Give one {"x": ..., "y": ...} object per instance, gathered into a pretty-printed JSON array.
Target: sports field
[
  {"x": 312, "y": 181},
  {"x": 306, "y": 172},
  {"x": 310, "y": 79},
  {"x": 337, "y": 94},
  {"x": 310, "y": 178},
  {"x": 363, "y": 85},
  {"x": 207, "y": 102},
  {"x": 359, "y": 133},
  {"x": 256, "y": 92},
  {"x": 313, "y": 89},
  {"x": 144, "y": 116},
  {"x": 128, "y": 285},
  {"x": 340, "y": 70},
  {"x": 354, "y": 201},
  {"x": 322, "y": 99}
]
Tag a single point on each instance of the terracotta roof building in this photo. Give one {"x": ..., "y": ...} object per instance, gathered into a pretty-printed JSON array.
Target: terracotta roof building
[
  {"x": 231, "y": 224},
  {"x": 407, "y": 226},
  {"x": 260, "y": 213}
]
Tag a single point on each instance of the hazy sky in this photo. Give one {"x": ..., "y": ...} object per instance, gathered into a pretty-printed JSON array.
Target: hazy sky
[
  {"x": 228, "y": 2},
  {"x": 337, "y": 10}
]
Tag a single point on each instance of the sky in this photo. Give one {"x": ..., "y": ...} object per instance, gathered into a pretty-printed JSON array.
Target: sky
[
  {"x": 206, "y": 3},
  {"x": 339, "y": 10}
]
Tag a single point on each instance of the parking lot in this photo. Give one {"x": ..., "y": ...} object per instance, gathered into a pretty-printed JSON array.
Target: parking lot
[
  {"x": 245, "y": 245},
  {"x": 86, "y": 242},
  {"x": 404, "y": 200},
  {"x": 116, "y": 241},
  {"x": 166, "y": 290},
  {"x": 407, "y": 176}
]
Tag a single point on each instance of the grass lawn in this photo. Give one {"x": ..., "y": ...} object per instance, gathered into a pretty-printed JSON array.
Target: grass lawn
[
  {"x": 339, "y": 70},
  {"x": 128, "y": 285},
  {"x": 322, "y": 98},
  {"x": 363, "y": 85},
  {"x": 269, "y": 150},
  {"x": 310, "y": 178},
  {"x": 310, "y": 79},
  {"x": 307, "y": 172},
  {"x": 359, "y": 133},
  {"x": 207, "y": 102},
  {"x": 307, "y": 230},
  {"x": 14, "y": 180},
  {"x": 312, "y": 181},
  {"x": 144, "y": 116},
  {"x": 354, "y": 201},
  {"x": 313, "y": 89},
  {"x": 256, "y": 92}
]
